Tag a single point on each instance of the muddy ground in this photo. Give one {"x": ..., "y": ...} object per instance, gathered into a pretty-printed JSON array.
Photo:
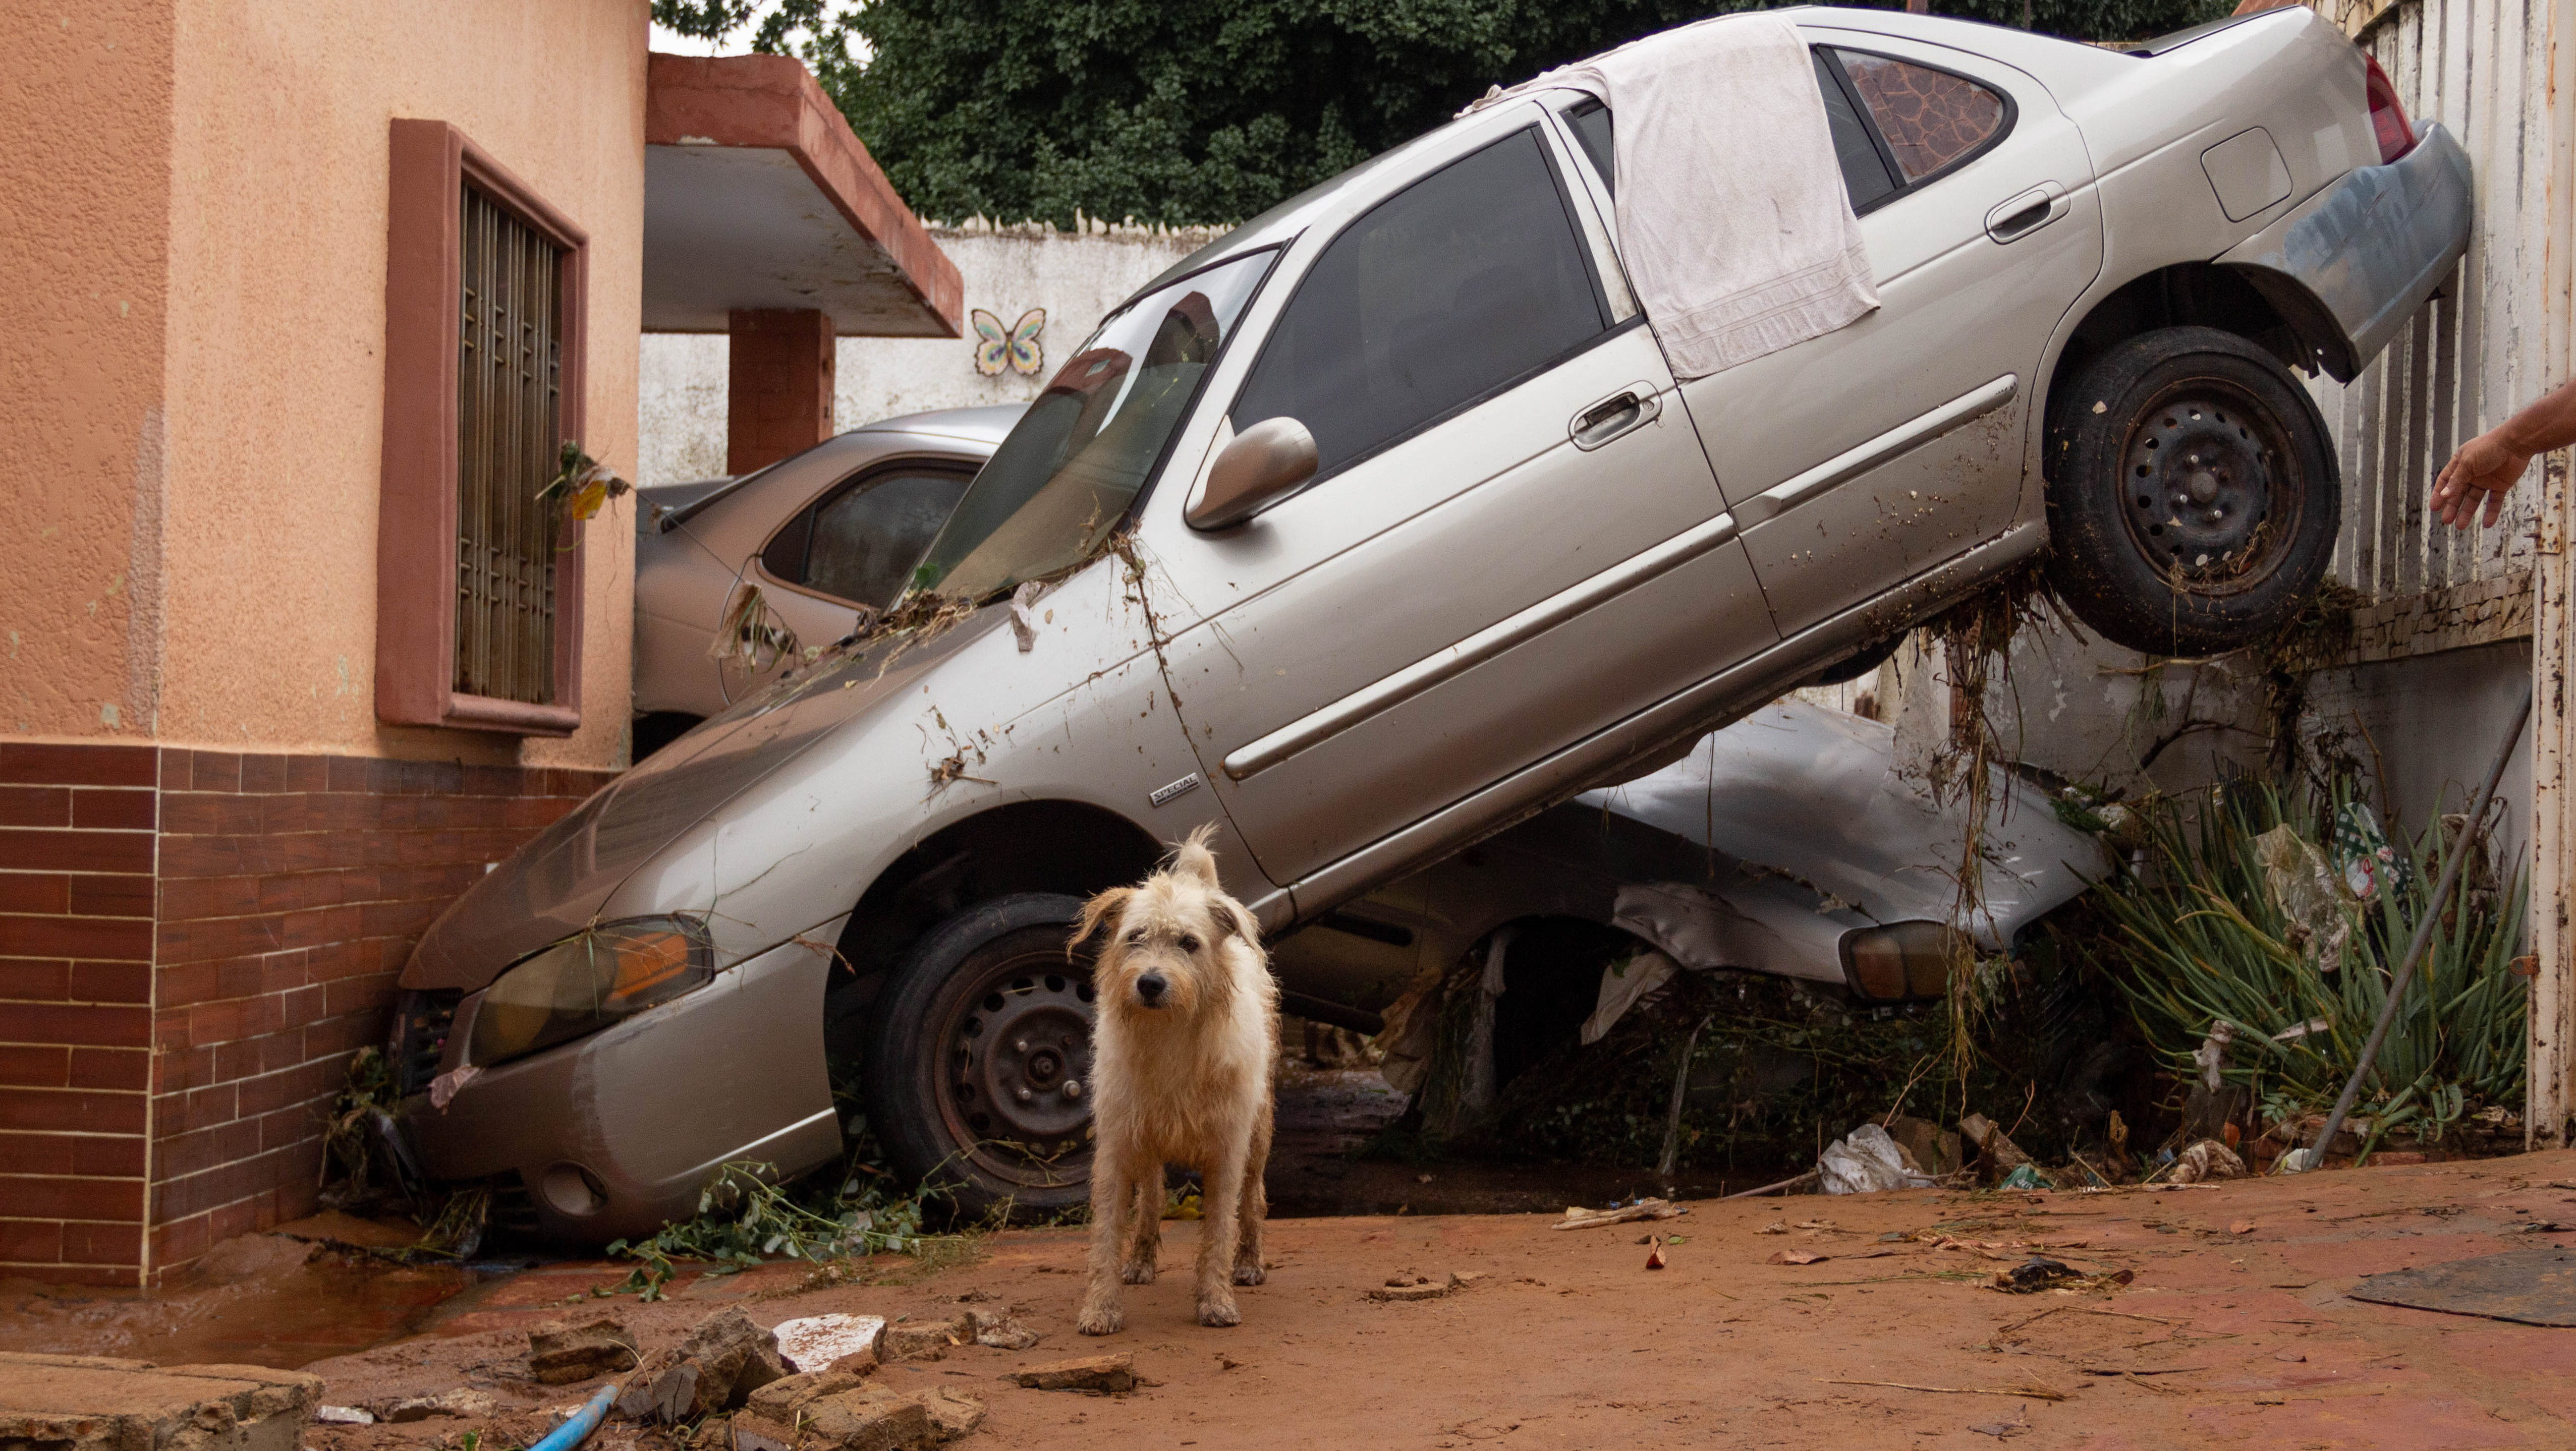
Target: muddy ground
[{"x": 2236, "y": 1330}]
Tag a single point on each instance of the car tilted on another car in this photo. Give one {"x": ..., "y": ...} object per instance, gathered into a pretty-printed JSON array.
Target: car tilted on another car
[{"x": 1381, "y": 524}]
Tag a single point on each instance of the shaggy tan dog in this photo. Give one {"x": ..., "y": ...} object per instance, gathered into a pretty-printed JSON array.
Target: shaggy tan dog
[{"x": 1181, "y": 1063}]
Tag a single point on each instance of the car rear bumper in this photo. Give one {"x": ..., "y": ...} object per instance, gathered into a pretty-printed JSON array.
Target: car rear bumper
[
  {"x": 615, "y": 1134},
  {"x": 2349, "y": 266}
]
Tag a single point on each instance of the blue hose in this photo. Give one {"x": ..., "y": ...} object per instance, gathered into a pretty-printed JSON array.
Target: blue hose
[{"x": 584, "y": 1421}]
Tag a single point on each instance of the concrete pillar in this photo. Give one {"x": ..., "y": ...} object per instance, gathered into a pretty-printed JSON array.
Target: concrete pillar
[{"x": 779, "y": 395}]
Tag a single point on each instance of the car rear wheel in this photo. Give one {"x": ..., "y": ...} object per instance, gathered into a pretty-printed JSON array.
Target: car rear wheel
[
  {"x": 978, "y": 1068},
  {"x": 2193, "y": 495}
]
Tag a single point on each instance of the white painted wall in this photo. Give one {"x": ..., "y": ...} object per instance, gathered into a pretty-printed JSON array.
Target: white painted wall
[{"x": 1076, "y": 276}]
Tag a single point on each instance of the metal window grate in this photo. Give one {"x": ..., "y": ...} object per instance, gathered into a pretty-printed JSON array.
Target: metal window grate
[{"x": 508, "y": 400}]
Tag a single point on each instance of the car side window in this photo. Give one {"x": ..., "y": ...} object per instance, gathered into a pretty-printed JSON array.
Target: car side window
[
  {"x": 1450, "y": 291},
  {"x": 1591, "y": 122},
  {"x": 1930, "y": 119},
  {"x": 860, "y": 542},
  {"x": 1865, "y": 172}
]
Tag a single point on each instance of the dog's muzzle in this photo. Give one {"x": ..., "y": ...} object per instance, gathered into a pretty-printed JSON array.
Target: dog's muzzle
[{"x": 1150, "y": 989}]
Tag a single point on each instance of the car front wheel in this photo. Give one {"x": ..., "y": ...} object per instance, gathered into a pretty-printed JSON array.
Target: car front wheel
[
  {"x": 2193, "y": 496},
  {"x": 978, "y": 1064}
]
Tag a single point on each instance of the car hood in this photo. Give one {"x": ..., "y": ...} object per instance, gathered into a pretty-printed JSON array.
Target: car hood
[
  {"x": 561, "y": 881},
  {"x": 1818, "y": 795}
]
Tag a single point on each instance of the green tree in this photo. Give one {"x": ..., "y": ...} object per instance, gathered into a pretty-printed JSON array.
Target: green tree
[{"x": 1208, "y": 111}]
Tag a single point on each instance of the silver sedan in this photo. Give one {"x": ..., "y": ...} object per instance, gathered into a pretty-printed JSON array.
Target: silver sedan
[{"x": 1380, "y": 525}]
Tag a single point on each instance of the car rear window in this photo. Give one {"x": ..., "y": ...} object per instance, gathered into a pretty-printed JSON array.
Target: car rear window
[
  {"x": 1446, "y": 293},
  {"x": 1930, "y": 119}
]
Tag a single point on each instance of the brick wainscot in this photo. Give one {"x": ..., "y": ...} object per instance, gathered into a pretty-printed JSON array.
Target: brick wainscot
[{"x": 192, "y": 945}]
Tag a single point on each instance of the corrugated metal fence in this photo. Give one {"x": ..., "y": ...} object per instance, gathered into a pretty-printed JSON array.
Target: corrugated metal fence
[{"x": 2488, "y": 344}]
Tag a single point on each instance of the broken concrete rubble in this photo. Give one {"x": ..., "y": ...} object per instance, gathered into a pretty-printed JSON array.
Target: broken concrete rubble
[
  {"x": 926, "y": 1340},
  {"x": 839, "y": 1412},
  {"x": 841, "y": 1342},
  {"x": 563, "y": 1351},
  {"x": 88, "y": 1403},
  {"x": 1111, "y": 1373},
  {"x": 721, "y": 1363}
]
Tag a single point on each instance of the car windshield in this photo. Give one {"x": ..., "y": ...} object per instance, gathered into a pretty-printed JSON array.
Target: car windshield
[{"x": 1062, "y": 480}]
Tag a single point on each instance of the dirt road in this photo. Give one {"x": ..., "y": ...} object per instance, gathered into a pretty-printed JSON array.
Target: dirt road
[{"x": 2235, "y": 1332}]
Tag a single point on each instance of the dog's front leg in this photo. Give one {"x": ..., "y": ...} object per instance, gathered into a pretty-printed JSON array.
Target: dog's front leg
[
  {"x": 1220, "y": 1211},
  {"x": 1113, "y": 1190},
  {"x": 1145, "y": 1243}
]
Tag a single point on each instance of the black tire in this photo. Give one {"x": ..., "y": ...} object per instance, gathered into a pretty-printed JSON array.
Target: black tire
[
  {"x": 943, "y": 1065},
  {"x": 2193, "y": 494}
]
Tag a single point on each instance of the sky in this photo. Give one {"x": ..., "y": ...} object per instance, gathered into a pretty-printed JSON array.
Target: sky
[{"x": 739, "y": 43}]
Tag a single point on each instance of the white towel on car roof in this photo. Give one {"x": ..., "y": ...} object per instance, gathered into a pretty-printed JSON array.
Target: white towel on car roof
[{"x": 1733, "y": 220}]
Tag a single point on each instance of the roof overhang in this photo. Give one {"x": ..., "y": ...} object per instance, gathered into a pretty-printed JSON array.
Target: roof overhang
[{"x": 758, "y": 195}]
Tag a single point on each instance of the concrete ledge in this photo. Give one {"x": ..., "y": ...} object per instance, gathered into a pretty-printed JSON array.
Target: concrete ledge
[{"x": 89, "y": 1403}]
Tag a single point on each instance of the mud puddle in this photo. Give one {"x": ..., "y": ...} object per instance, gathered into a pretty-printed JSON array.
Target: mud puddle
[{"x": 305, "y": 1293}]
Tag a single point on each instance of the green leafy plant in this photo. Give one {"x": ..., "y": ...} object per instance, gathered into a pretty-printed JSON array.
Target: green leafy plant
[
  {"x": 2201, "y": 939},
  {"x": 744, "y": 1219}
]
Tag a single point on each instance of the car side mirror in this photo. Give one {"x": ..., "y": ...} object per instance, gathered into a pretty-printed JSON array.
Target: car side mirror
[{"x": 1263, "y": 463}]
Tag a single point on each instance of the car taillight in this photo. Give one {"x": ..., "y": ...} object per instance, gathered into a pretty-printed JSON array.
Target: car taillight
[{"x": 2387, "y": 117}]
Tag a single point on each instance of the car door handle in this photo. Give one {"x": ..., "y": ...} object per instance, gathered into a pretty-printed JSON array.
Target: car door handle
[
  {"x": 2018, "y": 217},
  {"x": 1622, "y": 412}
]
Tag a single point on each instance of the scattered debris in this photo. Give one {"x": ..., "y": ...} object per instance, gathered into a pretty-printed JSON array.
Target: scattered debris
[
  {"x": 1995, "y": 1149},
  {"x": 1578, "y": 1217},
  {"x": 1867, "y": 1161},
  {"x": 2209, "y": 1159},
  {"x": 1024, "y": 625},
  {"x": 343, "y": 1416},
  {"x": 1655, "y": 1256},
  {"x": 2242, "y": 1226},
  {"x": 821, "y": 1342},
  {"x": 716, "y": 1368},
  {"x": 1110, "y": 1373},
  {"x": 462, "y": 1404},
  {"x": 1001, "y": 1332},
  {"x": 1797, "y": 1257},
  {"x": 1934, "y": 1149},
  {"x": 2031, "y": 1392},
  {"x": 2039, "y": 1272},
  {"x": 563, "y": 1351}
]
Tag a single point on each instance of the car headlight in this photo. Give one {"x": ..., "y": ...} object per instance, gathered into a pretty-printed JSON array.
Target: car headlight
[
  {"x": 586, "y": 982},
  {"x": 1902, "y": 960}
]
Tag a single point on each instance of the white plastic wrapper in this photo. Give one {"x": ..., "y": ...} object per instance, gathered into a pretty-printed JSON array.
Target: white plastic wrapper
[{"x": 1866, "y": 1161}]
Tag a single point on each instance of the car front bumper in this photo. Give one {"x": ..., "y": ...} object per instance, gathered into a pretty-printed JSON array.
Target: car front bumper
[
  {"x": 615, "y": 1135},
  {"x": 2350, "y": 265}
]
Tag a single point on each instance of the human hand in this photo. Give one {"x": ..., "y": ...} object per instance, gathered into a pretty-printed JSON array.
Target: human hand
[{"x": 2485, "y": 465}]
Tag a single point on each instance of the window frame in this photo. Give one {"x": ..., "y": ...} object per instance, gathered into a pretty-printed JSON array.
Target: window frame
[
  {"x": 865, "y": 474},
  {"x": 1831, "y": 50},
  {"x": 430, "y": 165},
  {"x": 1611, "y": 324}
]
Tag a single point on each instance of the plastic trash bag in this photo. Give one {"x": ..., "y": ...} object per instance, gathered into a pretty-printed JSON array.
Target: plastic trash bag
[{"x": 1867, "y": 1161}]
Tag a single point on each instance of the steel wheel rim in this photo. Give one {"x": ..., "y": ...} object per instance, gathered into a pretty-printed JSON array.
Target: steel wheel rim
[
  {"x": 1014, "y": 1073},
  {"x": 2209, "y": 488}
]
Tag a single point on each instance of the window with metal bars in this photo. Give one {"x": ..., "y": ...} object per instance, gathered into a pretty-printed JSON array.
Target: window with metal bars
[
  {"x": 478, "y": 572},
  {"x": 509, "y": 434}
]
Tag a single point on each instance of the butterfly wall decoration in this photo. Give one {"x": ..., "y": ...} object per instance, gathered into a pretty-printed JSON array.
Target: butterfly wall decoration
[{"x": 1017, "y": 349}]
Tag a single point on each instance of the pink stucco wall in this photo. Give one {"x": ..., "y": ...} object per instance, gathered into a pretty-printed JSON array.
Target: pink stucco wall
[
  {"x": 193, "y": 262},
  {"x": 84, "y": 252}
]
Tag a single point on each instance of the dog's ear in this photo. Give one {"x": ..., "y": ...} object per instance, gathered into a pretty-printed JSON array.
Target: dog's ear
[
  {"x": 1192, "y": 858},
  {"x": 1232, "y": 919},
  {"x": 1106, "y": 905}
]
